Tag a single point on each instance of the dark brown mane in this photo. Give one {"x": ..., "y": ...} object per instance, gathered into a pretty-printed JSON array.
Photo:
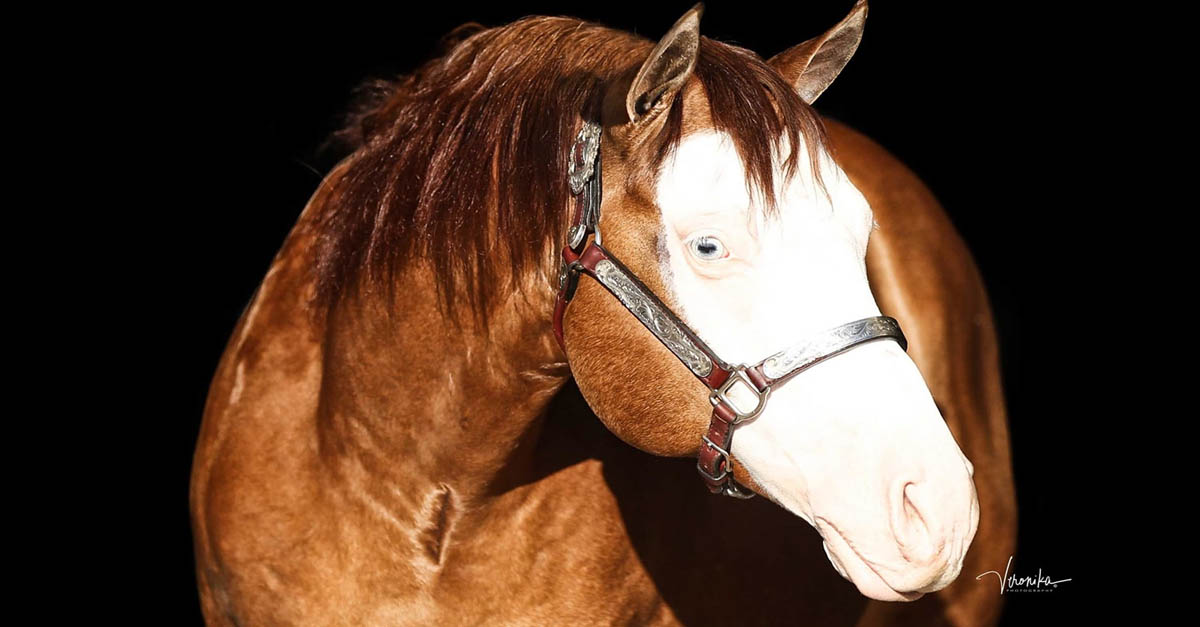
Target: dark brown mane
[{"x": 475, "y": 142}]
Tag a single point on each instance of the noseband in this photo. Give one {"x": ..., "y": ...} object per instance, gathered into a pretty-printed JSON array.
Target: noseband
[{"x": 737, "y": 393}]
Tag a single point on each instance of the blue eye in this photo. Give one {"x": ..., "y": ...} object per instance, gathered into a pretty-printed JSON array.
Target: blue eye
[{"x": 707, "y": 248}]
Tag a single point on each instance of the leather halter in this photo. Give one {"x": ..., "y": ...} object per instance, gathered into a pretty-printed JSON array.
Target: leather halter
[{"x": 738, "y": 393}]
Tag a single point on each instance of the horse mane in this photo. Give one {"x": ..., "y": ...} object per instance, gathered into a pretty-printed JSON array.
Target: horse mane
[{"x": 473, "y": 146}]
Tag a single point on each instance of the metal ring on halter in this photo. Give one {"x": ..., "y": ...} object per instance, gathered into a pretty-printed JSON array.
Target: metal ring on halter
[
  {"x": 734, "y": 489},
  {"x": 721, "y": 395}
]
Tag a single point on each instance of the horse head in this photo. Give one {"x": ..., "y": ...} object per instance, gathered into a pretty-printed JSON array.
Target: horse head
[{"x": 720, "y": 197}]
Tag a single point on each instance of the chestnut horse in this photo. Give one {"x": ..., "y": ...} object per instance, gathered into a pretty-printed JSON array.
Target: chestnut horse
[{"x": 391, "y": 437}]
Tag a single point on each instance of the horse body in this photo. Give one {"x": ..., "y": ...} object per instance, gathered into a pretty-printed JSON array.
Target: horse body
[
  {"x": 381, "y": 464},
  {"x": 296, "y": 521}
]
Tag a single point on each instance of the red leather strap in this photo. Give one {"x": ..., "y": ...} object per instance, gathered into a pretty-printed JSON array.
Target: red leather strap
[
  {"x": 714, "y": 464},
  {"x": 565, "y": 291},
  {"x": 570, "y": 277}
]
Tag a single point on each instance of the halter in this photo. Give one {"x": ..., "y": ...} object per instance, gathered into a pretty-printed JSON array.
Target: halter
[{"x": 738, "y": 393}]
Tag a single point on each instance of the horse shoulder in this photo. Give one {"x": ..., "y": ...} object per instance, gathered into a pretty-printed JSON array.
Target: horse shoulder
[{"x": 253, "y": 473}]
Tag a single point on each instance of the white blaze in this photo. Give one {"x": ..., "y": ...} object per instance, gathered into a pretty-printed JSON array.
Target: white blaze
[{"x": 854, "y": 445}]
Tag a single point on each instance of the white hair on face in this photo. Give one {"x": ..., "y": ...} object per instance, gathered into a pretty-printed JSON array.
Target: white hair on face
[
  {"x": 816, "y": 238},
  {"x": 833, "y": 442}
]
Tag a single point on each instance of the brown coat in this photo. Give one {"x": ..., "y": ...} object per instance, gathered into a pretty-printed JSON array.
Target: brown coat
[{"x": 377, "y": 464}]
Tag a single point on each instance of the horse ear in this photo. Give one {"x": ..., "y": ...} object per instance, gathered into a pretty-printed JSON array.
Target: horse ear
[
  {"x": 668, "y": 66},
  {"x": 812, "y": 65}
]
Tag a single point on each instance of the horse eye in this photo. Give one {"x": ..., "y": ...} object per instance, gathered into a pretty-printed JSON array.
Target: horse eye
[{"x": 707, "y": 248}]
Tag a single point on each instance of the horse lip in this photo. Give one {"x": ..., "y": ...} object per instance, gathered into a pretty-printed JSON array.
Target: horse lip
[{"x": 838, "y": 566}]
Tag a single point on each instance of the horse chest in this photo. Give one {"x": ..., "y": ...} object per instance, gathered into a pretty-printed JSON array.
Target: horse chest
[{"x": 554, "y": 551}]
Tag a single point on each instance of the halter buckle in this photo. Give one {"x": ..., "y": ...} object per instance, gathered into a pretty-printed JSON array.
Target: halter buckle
[
  {"x": 722, "y": 395},
  {"x": 568, "y": 278},
  {"x": 723, "y": 462},
  {"x": 729, "y": 487}
]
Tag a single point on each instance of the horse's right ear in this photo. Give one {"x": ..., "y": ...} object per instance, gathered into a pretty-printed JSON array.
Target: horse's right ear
[{"x": 668, "y": 66}]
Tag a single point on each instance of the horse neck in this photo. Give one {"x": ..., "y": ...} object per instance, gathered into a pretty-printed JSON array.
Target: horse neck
[{"x": 409, "y": 399}]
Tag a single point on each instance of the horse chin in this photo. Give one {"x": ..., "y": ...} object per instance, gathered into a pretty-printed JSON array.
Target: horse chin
[
  {"x": 865, "y": 576},
  {"x": 868, "y": 582},
  {"x": 907, "y": 584},
  {"x": 878, "y": 563}
]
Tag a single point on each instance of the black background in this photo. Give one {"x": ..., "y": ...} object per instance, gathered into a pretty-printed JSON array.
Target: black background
[{"x": 983, "y": 101}]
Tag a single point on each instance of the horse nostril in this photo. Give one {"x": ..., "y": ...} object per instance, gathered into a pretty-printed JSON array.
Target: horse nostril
[{"x": 911, "y": 522}]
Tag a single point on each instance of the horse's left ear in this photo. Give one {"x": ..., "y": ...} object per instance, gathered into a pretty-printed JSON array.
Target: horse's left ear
[
  {"x": 812, "y": 65},
  {"x": 668, "y": 66}
]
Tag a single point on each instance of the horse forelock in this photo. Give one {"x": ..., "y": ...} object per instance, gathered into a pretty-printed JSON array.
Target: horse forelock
[{"x": 463, "y": 163}]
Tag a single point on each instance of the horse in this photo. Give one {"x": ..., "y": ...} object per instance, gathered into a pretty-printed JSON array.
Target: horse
[{"x": 470, "y": 385}]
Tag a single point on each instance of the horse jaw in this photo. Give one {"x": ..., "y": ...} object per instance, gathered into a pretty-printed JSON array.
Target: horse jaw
[{"x": 855, "y": 445}]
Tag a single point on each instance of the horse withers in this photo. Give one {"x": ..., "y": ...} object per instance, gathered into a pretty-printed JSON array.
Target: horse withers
[{"x": 390, "y": 437}]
